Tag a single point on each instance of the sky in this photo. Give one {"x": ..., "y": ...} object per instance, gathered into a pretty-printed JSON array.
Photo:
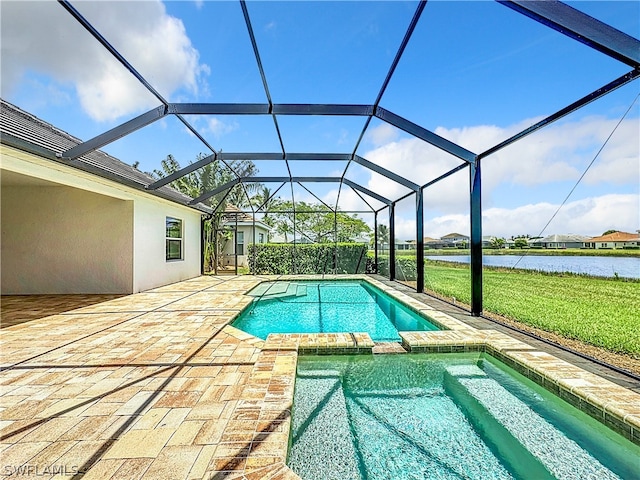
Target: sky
[{"x": 475, "y": 73}]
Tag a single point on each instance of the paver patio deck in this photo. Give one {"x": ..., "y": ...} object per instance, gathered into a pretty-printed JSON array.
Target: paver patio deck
[{"x": 155, "y": 385}]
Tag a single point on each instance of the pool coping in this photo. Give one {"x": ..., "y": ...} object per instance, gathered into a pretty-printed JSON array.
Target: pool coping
[{"x": 613, "y": 405}]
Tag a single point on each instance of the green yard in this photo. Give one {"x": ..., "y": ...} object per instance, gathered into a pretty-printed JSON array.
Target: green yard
[
  {"x": 583, "y": 252},
  {"x": 597, "y": 311}
]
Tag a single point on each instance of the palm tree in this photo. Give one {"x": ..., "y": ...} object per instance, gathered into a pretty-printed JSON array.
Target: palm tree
[
  {"x": 266, "y": 203},
  {"x": 383, "y": 234},
  {"x": 204, "y": 180}
]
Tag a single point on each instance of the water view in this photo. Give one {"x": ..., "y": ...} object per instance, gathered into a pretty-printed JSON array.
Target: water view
[{"x": 627, "y": 267}]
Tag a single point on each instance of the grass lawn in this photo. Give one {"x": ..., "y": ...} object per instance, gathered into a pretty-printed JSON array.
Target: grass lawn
[
  {"x": 541, "y": 251},
  {"x": 597, "y": 311}
]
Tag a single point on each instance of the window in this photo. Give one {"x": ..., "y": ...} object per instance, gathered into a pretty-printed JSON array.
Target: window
[
  {"x": 239, "y": 243},
  {"x": 174, "y": 238},
  {"x": 261, "y": 238}
]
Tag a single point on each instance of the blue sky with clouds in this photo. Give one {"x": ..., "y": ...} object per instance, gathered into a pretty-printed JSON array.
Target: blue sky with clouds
[{"x": 473, "y": 72}]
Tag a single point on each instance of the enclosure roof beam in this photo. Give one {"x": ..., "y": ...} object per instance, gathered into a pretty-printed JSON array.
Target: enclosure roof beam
[
  {"x": 366, "y": 191},
  {"x": 424, "y": 134},
  {"x": 392, "y": 69},
  {"x": 110, "y": 48},
  {"x": 219, "y": 108},
  {"x": 334, "y": 210},
  {"x": 618, "y": 82},
  {"x": 115, "y": 133},
  {"x": 445, "y": 175},
  {"x": 182, "y": 172},
  {"x": 356, "y": 110},
  {"x": 290, "y": 179},
  {"x": 581, "y": 27},
  {"x": 386, "y": 173},
  {"x": 363, "y": 199},
  {"x": 256, "y": 52},
  {"x": 322, "y": 109},
  {"x": 286, "y": 156},
  {"x": 215, "y": 191}
]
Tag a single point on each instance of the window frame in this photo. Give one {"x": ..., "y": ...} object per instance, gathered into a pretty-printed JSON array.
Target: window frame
[
  {"x": 239, "y": 233},
  {"x": 170, "y": 239}
]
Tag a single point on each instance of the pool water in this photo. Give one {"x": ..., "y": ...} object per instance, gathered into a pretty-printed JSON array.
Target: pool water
[
  {"x": 327, "y": 307},
  {"x": 446, "y": 416}
]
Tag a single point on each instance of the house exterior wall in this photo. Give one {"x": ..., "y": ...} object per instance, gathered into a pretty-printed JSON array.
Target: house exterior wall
[
  {"x": 59, "y": 240},
  {"x": 247, "y": 231},
  {"x": 614, "y": 245},
  {"x": 151, "y": 269},
  {"x": 100, "y": 236},
  {"x": 563, "y": 245}
]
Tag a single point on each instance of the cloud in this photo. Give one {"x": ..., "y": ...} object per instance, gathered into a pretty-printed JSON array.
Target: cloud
[
  {"x": 42, "y": 38},
  {"x": 382, "y": 134},
  {"x": 589, "y": 216},
  {"x": 219, "y": 128},
  {"x": 559, "y": 153}
]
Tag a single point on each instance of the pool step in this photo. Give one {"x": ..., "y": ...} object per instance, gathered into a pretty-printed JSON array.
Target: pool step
[
  {"x": 278, "y": 290},
  {"x": 531, "y": 446},
  {"x": 322, "y": 446}
]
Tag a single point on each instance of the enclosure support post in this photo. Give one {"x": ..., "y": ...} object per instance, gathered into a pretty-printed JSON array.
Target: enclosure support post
[
  {"x": 419, "y": 241},
  {"x": 335, "y": 241},
  {"x": 202, "y": 244},
  {"x": 476, "y": 238},
  {"x": 293, "y": 251},
  {"x": 375, "y": 240},
  {"x": 392, "y": 241},
  {"x": 253, "y": 253},
  {"x": 235, "y": 247}
]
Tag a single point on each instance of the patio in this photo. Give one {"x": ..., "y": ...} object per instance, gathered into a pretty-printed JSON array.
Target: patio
[{"x": 157, "y": 385}]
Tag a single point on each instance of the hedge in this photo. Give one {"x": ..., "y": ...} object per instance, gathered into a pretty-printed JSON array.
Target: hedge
[
  {"x": 406, "y": 267},
  {"x": 315, "y": 258}
]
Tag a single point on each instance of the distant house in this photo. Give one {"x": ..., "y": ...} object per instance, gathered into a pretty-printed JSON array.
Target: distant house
[
  {"x": 455, "y": 239},
  {"x": 487, "y": 240},
  {"x": 405, "y": 245},
  {"x": 614, "y": 240},
  {"x": 434, "y": 243},
  {"x": 244, "y": 231},
  {"x": 561, "y": 241}
]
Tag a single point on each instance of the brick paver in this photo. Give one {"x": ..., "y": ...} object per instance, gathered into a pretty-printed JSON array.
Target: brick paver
[{"x": 159, "y": 385}]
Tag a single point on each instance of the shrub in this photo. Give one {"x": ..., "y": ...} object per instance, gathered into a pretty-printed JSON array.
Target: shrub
[
  {"x": 316, "y": 258},
  {"x": 406, "y": 267}
]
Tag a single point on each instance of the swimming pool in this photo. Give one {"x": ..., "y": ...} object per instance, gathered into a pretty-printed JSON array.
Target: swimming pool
[
  {"x": 327, "y": 307},
  {"x": 443, "y": 416}
]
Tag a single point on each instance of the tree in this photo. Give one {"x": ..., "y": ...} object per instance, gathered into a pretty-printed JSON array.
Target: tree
[
  {"x": 520, "y": 242},
  {"x": 497, "y": 242},
  {"x": 608, "y": 232},
  {"x": 383, "y": 234},
  {"x": 203, "y": 180},
  {"x": 317, "y": 223}
]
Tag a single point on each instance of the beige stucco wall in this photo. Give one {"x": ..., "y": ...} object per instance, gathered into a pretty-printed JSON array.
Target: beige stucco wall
[
  {"x": 98, "y": 237},
  {"x": 150, "y": 266},
  {"x": 229, "y": 248},
  {"x": 65, "y": 240}
]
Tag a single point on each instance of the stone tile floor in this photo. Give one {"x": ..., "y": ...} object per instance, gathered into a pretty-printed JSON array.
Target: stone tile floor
[
  {"x": 157, "y": 385},
  {"x": 150, "y": 385}
]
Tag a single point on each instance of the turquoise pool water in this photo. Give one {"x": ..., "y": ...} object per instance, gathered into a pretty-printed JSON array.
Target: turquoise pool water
[
  {"x": 447, "y": 416},
  {"x": 327, "y": 307}
]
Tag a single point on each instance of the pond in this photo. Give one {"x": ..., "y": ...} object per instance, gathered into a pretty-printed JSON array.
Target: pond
[{"x": 627, "y": 267}]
